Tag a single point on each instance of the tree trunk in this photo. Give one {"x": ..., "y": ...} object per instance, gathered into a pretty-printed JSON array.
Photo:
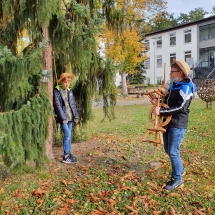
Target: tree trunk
[
  {"x": 47, "y": 65},
  {"x": 124, "y": 85},
  {"x": 124, "y": 74}
]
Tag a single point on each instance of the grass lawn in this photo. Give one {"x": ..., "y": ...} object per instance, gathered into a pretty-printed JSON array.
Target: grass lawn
[{"x": 127, "y": 177}]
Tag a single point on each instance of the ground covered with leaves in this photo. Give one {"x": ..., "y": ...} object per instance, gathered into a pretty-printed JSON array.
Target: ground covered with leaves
[{"x": 118, "y": 174}]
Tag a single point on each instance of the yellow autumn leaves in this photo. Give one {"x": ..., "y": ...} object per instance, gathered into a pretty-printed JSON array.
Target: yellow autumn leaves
[{"x": 124, "y": 47}]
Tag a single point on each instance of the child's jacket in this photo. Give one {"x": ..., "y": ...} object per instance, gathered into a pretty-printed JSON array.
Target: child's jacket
[
  {"x": 178, "y": 99},
  {"x": 59, "y": 105}
]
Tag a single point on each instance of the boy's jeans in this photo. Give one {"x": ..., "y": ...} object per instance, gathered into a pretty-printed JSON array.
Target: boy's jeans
[
  {"x": 172, "y": 142},
  {"x": 67, "y": 138}
]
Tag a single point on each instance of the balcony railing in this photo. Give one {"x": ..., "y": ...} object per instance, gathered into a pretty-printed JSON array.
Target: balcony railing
[{"x": 211, "y": 75}]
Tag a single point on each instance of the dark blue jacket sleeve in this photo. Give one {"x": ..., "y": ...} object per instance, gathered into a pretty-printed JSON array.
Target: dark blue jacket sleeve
[{"x": 58, "y": 106}]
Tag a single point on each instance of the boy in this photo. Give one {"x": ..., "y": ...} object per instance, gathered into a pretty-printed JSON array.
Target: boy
[
  {"x": 66, "y": 112},
  {"x": 178, "y": 99}
]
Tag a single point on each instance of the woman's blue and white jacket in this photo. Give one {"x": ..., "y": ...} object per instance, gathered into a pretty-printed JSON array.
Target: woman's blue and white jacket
[{"x": 178, "y": 99}]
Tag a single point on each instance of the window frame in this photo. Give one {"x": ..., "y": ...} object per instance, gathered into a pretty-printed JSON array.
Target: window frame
[
  {"x": 172, "y": 35},
  {"x": 159, "y": 58},
  {"x": 173, "y": 57},
  {"x": 159, "y": 42},
  {"x": 187, "y": 32},
  {"x": 187, "y": 53},
  {"x": 209, "y": 31},
  {"x": 159, "y": 80},
  {"x": 147, "y": 63}
]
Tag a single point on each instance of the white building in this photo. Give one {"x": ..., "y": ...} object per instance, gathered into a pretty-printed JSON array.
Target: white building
[{"x": 193, "y": 42}]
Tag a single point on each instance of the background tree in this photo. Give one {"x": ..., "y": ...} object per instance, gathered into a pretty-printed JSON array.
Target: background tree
[
  {"x": 164, "y": 20},
  {"x": 122, "y": 47},
  {"x": 138, "y": 77},
  {"x": 161, "y": 21},
  {"x": 196, "y": 14},
  {"x": 125, "y": 50}
]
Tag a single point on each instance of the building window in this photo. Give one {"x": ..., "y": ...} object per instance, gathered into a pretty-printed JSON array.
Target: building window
[
  {"x": 205, "y": 56},
  {"x": 172, "y": 57},
  {"x": 207, "y": 32},
  {"x": 212, "y": 58},
  {"x": 203, "y": 32},
  {"x": 187, "y": 56},
  {"x": 147, "y": 64},
  {"x": 159, "y": 80},
  {"x": 147, "y": 45},
  {"x": 159, "y": 60},
  {"x": 172, "y": 39},
  {"x": 188, "y": 59},
  {"x": 159, "y": 42},
  {"x": 147, "y": 81},
  {"x": 187, "y": 36},
  {"x": 212, "y": 31}
]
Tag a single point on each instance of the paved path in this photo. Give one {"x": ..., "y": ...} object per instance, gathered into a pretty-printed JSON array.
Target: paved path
[{"x": 123, "y": 102}]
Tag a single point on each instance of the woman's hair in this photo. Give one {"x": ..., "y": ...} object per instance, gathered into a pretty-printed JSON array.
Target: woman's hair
[{"x": 174, "y": 65}]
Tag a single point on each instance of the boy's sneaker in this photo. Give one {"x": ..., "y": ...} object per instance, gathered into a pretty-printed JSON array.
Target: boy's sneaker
[
  {"x": 173, "y": 184},
  {"x": 70, "y": 159}
]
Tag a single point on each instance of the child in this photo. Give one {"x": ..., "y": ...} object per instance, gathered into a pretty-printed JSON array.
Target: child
[
  {"x": 178, "y": 99},
  {"x": 66, "y": 112}
]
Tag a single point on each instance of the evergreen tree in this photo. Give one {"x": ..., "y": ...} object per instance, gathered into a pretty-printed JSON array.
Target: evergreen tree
[
  {"x": 137, "y": 77},
  {"x": 161, "y": 21},
  {"x": 193, "y": 15},
  {"x": 62, "y": 35}
]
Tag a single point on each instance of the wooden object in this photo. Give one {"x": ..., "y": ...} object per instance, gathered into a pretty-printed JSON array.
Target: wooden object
[{"x": 159, "y": 122}]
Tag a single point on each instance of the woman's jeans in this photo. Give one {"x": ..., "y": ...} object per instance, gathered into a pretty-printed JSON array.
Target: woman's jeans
[
  {"x": 67, "y": 138},
  {"x": 172, "y": 142}
]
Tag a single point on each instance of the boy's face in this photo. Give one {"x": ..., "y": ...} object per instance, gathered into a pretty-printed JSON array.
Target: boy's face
[
  {"x": 175, "y": 73},
  {"x": 65, "y": 83}
]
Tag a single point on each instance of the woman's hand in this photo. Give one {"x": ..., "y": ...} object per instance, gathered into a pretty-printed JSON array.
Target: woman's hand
[{"x": 154, "y": 101}]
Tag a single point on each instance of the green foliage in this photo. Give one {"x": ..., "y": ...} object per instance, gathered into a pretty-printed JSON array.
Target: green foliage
[
  {"x": 28, "y": 14},
  {"x": 138, "y": 77},
  {"x": 23, "y": 133},
  {"x": 19, "y": 78},
  {"x": 24, "y": 109},
  {"x": 113, "y": 16},
  {"x": 72, "y": 26},
  {"x": 193, "y": 15},
  {"x": 107, "y": 88},
  {"x": 162, "y": 20},
  {"x": 45, "y": 9},
  {"x": 165, "y": 20}
]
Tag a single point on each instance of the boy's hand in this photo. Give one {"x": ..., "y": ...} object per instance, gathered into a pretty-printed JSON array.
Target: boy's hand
[
  {"x": 76, "y": 121},
  {"x": 157, "y": 111}
]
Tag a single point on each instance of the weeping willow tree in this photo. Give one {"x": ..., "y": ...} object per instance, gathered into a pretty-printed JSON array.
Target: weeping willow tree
[{"x": 60, "y": 33}]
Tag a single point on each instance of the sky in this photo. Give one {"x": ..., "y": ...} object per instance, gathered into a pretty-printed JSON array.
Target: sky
[{"x": 185, "y": 6}]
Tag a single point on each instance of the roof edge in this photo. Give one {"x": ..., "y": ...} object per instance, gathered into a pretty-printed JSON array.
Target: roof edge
[{"x": 180, "y": 26}]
